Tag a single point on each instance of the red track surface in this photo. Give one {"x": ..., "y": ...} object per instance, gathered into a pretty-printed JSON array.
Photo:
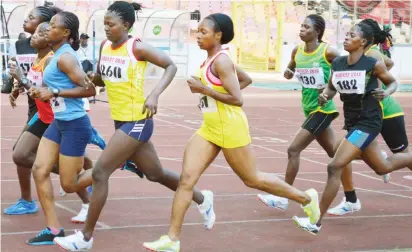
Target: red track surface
[{"x": 138, "y": 210}]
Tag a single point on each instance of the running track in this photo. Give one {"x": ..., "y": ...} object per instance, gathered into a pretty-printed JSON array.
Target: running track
[{"x": 138, "y": 210}]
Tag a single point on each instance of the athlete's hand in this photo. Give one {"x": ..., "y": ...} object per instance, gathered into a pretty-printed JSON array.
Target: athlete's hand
[
  {"x": 12, "y": 100},
  {"x": 150, "y": 105},
  {"x": 288, "y": 74},
  {"x": 15, "y": 70},
  {"x": 379, "y": 94},
  {"x": 33, "y": 92},
  {"x": 322, "y": 99},
  {"x": 44, "y": 94},
  {"x": 196, "y": 85}
]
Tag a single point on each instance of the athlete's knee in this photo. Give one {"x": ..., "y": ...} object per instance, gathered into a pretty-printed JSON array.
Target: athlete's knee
[
  {"x": 334, "y": 168},
  {"x": 155, "y": 175},
  {"x": 187, "y": 180},
  {"x": 253, "y": 181},
  {"x": 68, "y": 185},
  {"x": 99, "y": 174},
  {"x": 20, "y": 157},
  {"x": 294, "y": 151},
  {"x": 39, "y": 172}
]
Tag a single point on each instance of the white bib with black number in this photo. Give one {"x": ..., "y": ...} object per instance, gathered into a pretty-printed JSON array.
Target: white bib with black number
[
  {"x": 36, "y": 78},
  {"x": 207, "y": 104},
  {"x": 25, "y": 61},
  {"x": 311, "y": 77},
  {"x": 349, "y": 82},
  {"x": 58, "y": 104}
]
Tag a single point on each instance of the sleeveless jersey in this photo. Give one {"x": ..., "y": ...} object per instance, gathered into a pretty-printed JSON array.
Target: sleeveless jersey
[
  {"x": 355, "y": 84},
  {"x": 313, "y": 71},
  {"x": 25, "y": 55},
  {"x": 391, "y": 107},
  {"x": 224, "y": 125},
  {"x": 124, "y": 75},
  {"x": 35, "y": 76},
  {"x": 65, "y": 109}
]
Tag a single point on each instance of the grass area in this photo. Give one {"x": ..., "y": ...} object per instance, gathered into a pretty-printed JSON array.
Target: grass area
[{"x": 297, "y": 86}]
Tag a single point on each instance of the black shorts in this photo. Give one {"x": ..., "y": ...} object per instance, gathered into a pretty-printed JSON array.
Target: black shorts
[
  {"x": 30, "y": 114},
  {"x": 317, "y": 122},
  {"x": 38, "y": 128},
  {"x": 394, "y": 133}
]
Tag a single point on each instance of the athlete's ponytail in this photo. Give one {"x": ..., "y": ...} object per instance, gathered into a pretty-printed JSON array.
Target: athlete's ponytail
[
  {"x": 126, "y": 11},
  {"x": 319, "y": 24},
  {"x": 379, "y": 35}
]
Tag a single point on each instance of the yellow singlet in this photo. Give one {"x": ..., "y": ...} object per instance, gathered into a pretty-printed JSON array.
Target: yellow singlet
[
  {"x": 224, "y": 125},
  {"x": 123, "y": 76}
]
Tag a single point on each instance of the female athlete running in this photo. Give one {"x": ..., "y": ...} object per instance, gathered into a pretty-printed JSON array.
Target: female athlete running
[
  {"x": 356, "y": 77},
  {"x": 225, "y": 128}
]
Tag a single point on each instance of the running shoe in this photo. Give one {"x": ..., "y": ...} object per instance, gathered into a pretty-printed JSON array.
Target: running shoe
[
  {"x": 206, "y": 209},
  {"x": 81, "y": 217},
  {"x": 45, "y": 237},
  {"x": 74, "y": 242},
  {"x": 387, "y": 177},
  {"x": 97, "y": 139},
  {"x": 162, "y": 245},
  {"x": 312, "y": 209},
  {"x": 345, "y": 207},
  {"x": 22, "y": 207},
  {"x": 274, "y": 201},
  {"x": 304, "y": 223},
  {"x": 130, "y": 166}
]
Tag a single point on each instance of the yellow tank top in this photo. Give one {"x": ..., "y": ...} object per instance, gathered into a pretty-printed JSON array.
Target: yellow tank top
[
  {"x": 223, "y": 124},
  {"x": 123, "y": 76}
]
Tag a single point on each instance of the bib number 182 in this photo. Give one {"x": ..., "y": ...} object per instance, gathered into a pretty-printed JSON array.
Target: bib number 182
[{"x": 347, "y": 85}]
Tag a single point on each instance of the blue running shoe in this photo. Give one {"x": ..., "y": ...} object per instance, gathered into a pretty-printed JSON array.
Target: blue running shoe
[
  {"x": 90, "y": 190},
  {"x": 97, "y": 139},
  {"x": 22, "y": 207},
  {"x": 130, "y": 166},
  {"x": 45, "y": 237}
]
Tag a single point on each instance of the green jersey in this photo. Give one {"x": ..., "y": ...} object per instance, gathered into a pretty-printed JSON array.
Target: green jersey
[
  {"x": 390, "y": 107},
  {"x": 313, "y": 71}
]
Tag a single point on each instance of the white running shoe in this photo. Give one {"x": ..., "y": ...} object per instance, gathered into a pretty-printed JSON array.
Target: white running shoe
[
  {"x": 274, "y": 201},
  {"x": 81, "y": 217},
  {"x": 345, "y": 207},
  {"x": 304, "y": 223},
  {"x": 206, "y": 209},
  {"x": 387, "y": 177},
  {"x": 74, "y": 242},
  {"x": 62, "y": 192}
]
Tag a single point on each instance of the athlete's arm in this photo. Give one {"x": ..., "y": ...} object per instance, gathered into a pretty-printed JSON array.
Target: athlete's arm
[
  {"x": 387, "y": 78},
  {"x": 146, "y": 52},
  {"x": 331, "y": 54},
  {"x": 388, "y": 62},
  {"x": 288, "y": 74},
  {"x": 69, "y": 65},
  {"x": 225, "y": 70},
  {"x": 244, "y": 78},
  {"x": 328, "y": 93},
  {"x": 96, "y": 78}
]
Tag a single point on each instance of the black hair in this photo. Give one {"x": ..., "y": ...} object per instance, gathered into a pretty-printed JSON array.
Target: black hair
[
  {"x": 319, "y": 24},
  {"x": 126, "y": 11},
  {"x": 379, "y": 36},
  {"x": 71, "y": 22},
  {"x": 223, "y": 23},
  {"x": 47, "y": 12},
  {"x": 367, "y": 33}
]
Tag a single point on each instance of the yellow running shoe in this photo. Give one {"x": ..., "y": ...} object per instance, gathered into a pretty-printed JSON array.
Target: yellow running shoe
[
  {"x": 164, "y": 244},
  {"x": 312, "y": 209}
]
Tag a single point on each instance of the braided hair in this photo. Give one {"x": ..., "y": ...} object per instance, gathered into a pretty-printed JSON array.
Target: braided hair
[
  {"x": 319, "y": 24},
  {"x": 126, "y": 11},
  {"x": 379, "y": 36},
  {"x": 47, "y": 12},
  {"x": 367, "y": 33},
  {"x": 222, "y": 23},
  {"x": 71, "y": 22}
]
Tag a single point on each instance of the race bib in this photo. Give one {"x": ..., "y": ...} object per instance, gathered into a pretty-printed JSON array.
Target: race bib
[
  {"x": 207, "y": 104},
  {"x": 35, "y": 78},
  {"x": 114, "y": 68},
  {"x": 349, "y": 82},
  {"x": 58, "y": 104},
  {"x": 25, "y": 61},
  {"x": 311, "y": 77}
]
